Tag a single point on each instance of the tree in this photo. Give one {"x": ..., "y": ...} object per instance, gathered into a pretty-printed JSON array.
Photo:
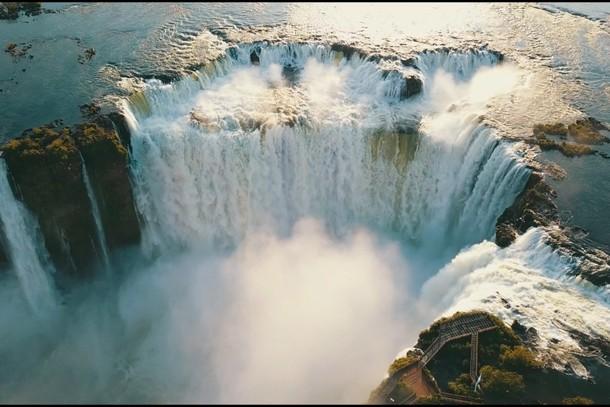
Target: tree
[
  {"x": 518, "y": 358},
  {"x": 500, "y": 384}
]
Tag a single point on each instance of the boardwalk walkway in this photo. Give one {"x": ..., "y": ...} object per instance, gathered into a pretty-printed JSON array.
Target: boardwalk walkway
[{"x": 468, "y": 325}]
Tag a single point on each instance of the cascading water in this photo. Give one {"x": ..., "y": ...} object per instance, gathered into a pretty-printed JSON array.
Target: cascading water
[
  {"x": 26, "y": 251},
  {"x": 241, "y": 156},
  {"x": 312, "y": 133},
  {"x": 99, "y": 227}
]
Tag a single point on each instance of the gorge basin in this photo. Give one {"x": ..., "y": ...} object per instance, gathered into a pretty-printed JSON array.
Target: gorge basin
[{"x": 304, "y": 215}]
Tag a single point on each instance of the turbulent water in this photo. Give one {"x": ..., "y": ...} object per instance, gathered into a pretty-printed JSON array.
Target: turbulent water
[
  {"x": 26, "y": 251},
  {"x": 302, "y": 221},
  {"x": 239, "y": 147}
]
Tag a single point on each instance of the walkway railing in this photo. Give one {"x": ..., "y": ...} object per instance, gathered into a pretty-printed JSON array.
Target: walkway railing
[{"x": 458, "y": 328}]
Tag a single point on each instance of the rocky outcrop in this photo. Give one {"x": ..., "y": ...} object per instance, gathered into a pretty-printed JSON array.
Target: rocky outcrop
[
  {"x": 345, "y": 50},
  {"x": 46, "y": 167},
  {"x": 412, "y": 86},
  {"x": 46, "y": 171},
  {"x": 254, "y": 58},
  {"x": 4, "y": 260},
  {"x": 593, "y": 264},
  {"x": 411, "y": 82},
  {"x": 533, "y": 207},
  {"x": 106, "y": 160},
  {"x": 574, "y": 140},
  {"x": 9, "y": 10}
]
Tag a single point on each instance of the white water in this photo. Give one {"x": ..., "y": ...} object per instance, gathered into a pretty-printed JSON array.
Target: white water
[
  {"x": 25, "y": 250},
  {"x": 299, "y": 309},
  {"x": 529, "y": 283},
  {"x": 99, "y": 227},
  {"x": 237, "y": 169}
]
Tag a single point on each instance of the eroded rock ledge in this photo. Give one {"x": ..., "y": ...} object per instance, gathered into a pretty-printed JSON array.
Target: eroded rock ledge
[
  {"x": 46, "y": 173},
  {"x": 535, "y": 206}
]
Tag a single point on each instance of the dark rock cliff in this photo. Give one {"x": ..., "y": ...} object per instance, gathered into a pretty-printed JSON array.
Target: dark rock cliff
[
  {"x": 106, "y": 160},
  {"x": 46, "y": 167},
  {"x": 533, "y": 207}
]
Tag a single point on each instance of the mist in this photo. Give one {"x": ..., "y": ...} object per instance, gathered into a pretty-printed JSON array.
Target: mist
[{"x": 306, "y": 318}]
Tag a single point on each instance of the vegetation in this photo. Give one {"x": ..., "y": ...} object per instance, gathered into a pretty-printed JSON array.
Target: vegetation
[
  {"x": 462, "y": 385},
  {"x": 583, "y": 133},
  {"x": 558, "y": 129},
  {"x": 587, "y": 131},
  {"x": 401, "y": 362},
  {"x": 518, "y": 358},
  {"x": 504, "y": 333},
  {"x": 510, "y": 371},
  {"x": 578, "y": 400},
  {"x": 46, "y": 167},
  {"x": 501, "y": 385}
]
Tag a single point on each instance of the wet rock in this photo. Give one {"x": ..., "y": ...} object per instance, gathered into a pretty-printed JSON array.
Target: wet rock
[
  {"x": 106, "y": 158},
  {"x": 45, "y": 168},
  {"x": 4, "y": 260},
  {"x": 413, "y": 85},
  {"x": 254, "y": 58},
  {"x": 528, "y": 335},
  {"x": 47, "y": 176},
  {"x": 11, "y": 10},
  {"x": 89, "y": 110},
  {"x": 165, "y": 77},
  {"x": 346, "y": 51},
  {"x": 411, "y": 81},
  {"x": 17, "y": 50},
  {"x": 86, "y": 56},
  {"x": 518, "y": 328},
  {"x": 505, "y": 234},
  {"x": 533, "y": 207},
  {"x": 594, "y": 264},
  {"x": 121, "y": 127}
]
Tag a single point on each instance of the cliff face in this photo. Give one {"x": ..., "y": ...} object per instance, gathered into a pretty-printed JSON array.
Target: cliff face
[
  {"x": 106, "y": 160},
  {"x": 46, "y": 174},
  {"x": 533, "y": 207}
]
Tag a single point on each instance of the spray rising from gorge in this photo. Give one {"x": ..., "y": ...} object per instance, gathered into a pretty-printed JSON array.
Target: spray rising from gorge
[{"x": 297, "y": 204}]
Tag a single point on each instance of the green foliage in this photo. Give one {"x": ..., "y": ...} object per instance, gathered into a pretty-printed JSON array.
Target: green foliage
[
  {"x": 577, "y": 400},
  {"x": 558, "y": 129},
  {"x": 462, "y": 385},
  {"x": 575, "y": 150},
  {"x": 105, "y": 142},
  {"x": 401, "y": 362},
  {"x": 427, "y": 336},
  {"x": 518, "y": 358},
  {"x": 500, "y": 384},
  {"x": 586, "y": 131}
]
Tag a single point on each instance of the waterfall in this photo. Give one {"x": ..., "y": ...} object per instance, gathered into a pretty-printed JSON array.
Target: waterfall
[
  {"x": 25, "y": 249},
  {"x": 99, "y": 227},
  {"x": 241, "y": 147}
]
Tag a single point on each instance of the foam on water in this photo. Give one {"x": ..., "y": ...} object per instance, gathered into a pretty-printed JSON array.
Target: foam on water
[{"x": 242, "y": 147}]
